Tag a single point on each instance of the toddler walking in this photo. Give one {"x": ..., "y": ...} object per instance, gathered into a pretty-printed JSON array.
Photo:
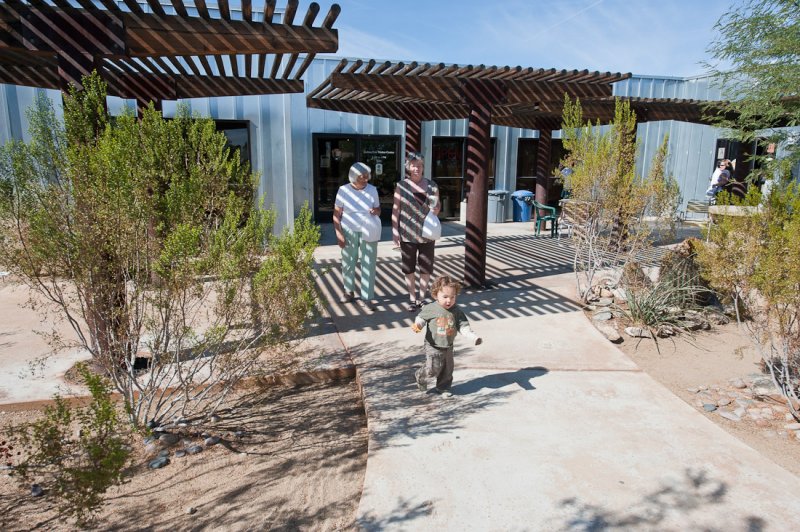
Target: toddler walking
[{"x": 442, "y": 319}]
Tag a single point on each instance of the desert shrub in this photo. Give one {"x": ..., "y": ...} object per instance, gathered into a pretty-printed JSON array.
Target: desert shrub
[
  {"x": 284, "y": 288},
  {"x": 753, "y": 259},
  {"x": 673, "y": 302},
  {"x": 679, "y": 267},
  {"x": 633, "y": 277},
  {"x": 145, "y": 235},
  {"x": 615, "y": 229},
  {"x": 77, "y": 468},
  {"x": 666, "y": 302}
]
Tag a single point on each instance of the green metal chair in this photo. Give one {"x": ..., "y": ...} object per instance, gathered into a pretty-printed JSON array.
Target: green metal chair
[{"x": 542, "y": 218}]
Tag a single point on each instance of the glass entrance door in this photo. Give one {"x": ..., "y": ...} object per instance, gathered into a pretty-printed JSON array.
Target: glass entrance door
[
  {"x": 333, "y": 156},
  {"x": 332, "y": 160},
  {"x": 380, "y": 153}
]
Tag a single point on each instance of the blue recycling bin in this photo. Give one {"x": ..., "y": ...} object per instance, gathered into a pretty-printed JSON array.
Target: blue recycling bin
[{"x": 523, "y": 201}]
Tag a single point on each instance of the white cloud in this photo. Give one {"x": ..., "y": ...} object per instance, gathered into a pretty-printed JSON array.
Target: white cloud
[
  {"x": 639, "y": 36},
  {"x": 357, "y": 43}
]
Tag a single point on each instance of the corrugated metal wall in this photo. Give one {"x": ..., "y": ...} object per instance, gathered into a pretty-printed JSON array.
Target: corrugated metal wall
[
  {"x": 281, "y": 128},
  {"x": 691, "y": 146}
]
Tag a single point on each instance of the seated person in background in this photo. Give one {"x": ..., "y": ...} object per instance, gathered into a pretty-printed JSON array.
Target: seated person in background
[{"x": 719, "y": 179}]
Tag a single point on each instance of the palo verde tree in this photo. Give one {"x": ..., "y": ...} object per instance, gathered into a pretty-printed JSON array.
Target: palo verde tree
[
  {"x": 144, "y": 234},
  {"x": 756, "y": 61},
  {"x": 609, "y": 200}
]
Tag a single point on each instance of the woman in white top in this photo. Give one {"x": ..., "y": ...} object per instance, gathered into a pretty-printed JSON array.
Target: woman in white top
[
  {"x": 719, "y": 179},
  {"x": 358, "y": 229}
]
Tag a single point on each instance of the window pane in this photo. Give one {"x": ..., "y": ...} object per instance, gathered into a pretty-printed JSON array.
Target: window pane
[
  {"x": 334, "y": 158},
  {"x": 448, "y": 157},
  {"x": 450, "y": 194},
  {"x": 238, "y": 135},
  {"x": 380, "y": 154},
  {"x": 526, "y": 157}
]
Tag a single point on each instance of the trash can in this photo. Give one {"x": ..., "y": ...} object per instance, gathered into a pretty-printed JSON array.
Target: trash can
[
  {"x": 497, "y": 206},
  {"x": 522, "y": 201}
]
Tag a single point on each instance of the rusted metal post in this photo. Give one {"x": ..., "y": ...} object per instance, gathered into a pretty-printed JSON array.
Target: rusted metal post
[
  {"x": 543, "y": 180},
  {"x": 477, "y": 166},
  {"x": 481, "y": 96}
]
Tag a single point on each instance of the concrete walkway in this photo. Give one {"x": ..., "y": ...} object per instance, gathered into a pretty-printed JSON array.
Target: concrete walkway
[{"x": 550, "y": 426}]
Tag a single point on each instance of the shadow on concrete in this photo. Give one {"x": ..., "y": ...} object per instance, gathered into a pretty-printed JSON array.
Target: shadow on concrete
[
  {"x": 515, "y": 265},
  {"x": 514, "y": 291},
  {"x": 402, "y": 517},
  {"x": 6, "y": 344},
  {"x": 521, "y": 377},
  {"x": 679, "y": 499},
  {"x": 397, "y": 411},
  {"x": 328, "y": 235}
]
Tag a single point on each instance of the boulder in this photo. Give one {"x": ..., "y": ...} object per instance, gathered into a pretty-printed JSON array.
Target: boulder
[
  {"x": 609, "y": 331},
  {"x": 638, "y": 332}
]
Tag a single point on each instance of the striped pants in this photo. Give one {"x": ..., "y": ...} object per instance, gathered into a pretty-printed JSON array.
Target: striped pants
[{"x": 355, "y": 250}]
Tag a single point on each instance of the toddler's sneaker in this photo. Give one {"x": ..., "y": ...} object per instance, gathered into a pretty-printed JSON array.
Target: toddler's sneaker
[
  {"x": 444, "y": 393},
  {"x": 347, "y": 297}
]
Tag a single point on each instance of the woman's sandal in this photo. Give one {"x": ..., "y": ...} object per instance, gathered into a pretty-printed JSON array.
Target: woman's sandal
[{"x": 346, "y": 298}]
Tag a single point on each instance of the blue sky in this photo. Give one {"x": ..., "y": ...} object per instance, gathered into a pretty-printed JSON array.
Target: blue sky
[{"x": 660, "y": 37}]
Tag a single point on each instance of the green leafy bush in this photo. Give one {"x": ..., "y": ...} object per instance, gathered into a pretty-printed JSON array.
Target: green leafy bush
[
  {"x": 284, "y": 286},
  {"x": 754, "y": 259},
  {"x": 76, "y": 469},
  {"x": 145, "y": 235}
]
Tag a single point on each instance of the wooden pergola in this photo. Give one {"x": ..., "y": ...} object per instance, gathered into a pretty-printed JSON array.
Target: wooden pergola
[
  {"x": 516, "y": 97},
  {"x": 160, "y": 50}
]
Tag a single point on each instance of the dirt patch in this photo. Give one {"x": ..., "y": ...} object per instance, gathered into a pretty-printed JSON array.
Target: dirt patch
[
  {"x": 721, "y": 367},
  {"x": 294, "y": 458}
]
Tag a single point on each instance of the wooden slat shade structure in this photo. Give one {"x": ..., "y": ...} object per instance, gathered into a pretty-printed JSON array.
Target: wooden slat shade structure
[
  {"x": 154, "y": 51},
  {"x": 509, "y": 96}
]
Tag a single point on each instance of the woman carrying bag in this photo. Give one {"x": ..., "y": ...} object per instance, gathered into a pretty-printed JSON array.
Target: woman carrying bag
[
  {"x": 415, "y": 199},
  {"x": 358, "y": 230}
]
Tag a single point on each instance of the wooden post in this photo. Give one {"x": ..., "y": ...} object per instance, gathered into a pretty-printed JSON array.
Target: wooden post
[
  {"x": 543, "y": 181},
  {"x": 413, "y": 135},
  {"x": 481, "y": 96},
  {"x": 477, "y": 166}
]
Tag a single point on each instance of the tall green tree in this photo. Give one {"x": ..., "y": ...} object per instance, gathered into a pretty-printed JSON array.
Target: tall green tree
[
  {"x": 756, "y": 60},
  {"x": 144, "y": 234}
]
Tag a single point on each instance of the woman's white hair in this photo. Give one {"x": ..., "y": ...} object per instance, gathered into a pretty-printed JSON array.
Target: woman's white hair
[{"x": 356, "y": 170}]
